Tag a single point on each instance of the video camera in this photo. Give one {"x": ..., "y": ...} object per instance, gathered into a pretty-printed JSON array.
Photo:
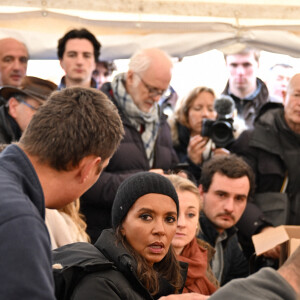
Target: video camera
[{"x": 221, "y": 129}]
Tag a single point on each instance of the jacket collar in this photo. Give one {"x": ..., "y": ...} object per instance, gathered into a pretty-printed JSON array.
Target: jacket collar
[
  {"x": 14, "y": 159},
  {"x": 260, "y": 94},
  {"x": 106, "y": 243},
  {"x": 115, "y": 252},
  {"x": 211, "y": 233},
  {"x": 62, "y": 84}
]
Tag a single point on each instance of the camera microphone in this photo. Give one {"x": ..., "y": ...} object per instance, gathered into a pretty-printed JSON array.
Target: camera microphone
[
  {"x": 224, "y": 106},
  {"x": 221, "y": 129}
]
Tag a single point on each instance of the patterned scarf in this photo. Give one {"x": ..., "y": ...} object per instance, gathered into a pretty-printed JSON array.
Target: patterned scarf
[
  {"x": 136, "y": 117},
  {"x": 197, "y": 280}
]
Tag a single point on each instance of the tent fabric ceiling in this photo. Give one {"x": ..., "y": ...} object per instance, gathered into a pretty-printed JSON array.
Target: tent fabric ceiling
[{"x": 181, "y": 28}]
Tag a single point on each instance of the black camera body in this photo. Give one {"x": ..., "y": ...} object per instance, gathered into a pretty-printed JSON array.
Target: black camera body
[{"x": 220, "y": 130}]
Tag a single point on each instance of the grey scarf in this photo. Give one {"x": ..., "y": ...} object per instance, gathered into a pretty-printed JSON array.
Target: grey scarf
[{"x": 137, "y": 117}]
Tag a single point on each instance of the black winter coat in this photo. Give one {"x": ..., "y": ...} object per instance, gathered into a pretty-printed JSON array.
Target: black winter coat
[
  {"x": 235, "y": 263},
  {"x": 249, "y": 108},
  {"x": 181, "y": 146},
  {"x": 272, "y": 149},
  {"x": 9, "y": 129},
  {"x": 129, "y": 159},
  {"x": 110, "y": 270}
]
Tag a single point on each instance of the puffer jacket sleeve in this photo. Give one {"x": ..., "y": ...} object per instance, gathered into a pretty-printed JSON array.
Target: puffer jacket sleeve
[
  {"x": 91, "y": 287},
  {"x": 111, "y": 287}
]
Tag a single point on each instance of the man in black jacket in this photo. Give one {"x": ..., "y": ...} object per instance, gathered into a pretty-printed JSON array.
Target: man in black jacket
[
  {"x": 226, "y": 183},
  {"x": 272, "y": 149},
  {"x": 147, "y": 144}
]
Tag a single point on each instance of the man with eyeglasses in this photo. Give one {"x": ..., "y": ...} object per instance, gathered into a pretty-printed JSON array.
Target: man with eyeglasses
[
  {"x": 147, "y": 144},
  {"x": 22, "y": 103}
]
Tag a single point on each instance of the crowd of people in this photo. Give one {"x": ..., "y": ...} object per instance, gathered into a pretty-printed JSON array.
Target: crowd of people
[{"x": 121, "y": 193}]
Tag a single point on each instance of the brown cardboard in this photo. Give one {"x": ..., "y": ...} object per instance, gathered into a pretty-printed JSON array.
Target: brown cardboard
[
  {"x": 286, "y": 236},
  {"x": 294, "y": 244}
]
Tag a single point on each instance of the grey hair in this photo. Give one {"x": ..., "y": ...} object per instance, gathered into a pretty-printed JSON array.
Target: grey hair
[
  {"x": 139, "y": 62},
  {"x": 142, "y": 59}
]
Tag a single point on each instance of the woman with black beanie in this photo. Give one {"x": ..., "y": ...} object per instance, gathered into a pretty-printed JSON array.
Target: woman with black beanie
[{"x": 134, "y": 259}]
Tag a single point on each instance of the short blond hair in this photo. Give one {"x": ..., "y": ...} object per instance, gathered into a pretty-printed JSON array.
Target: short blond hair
[
  {"x": 183, "y": 184},
  {"x": 246, "y": 50}
]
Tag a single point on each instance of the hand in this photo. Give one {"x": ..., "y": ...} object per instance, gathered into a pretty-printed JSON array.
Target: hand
[
  {"x": 158, "y": 171},
  {"x": 196, "y": 147},
  {"x": 274, "y": 252},
  {"x": 185, "y": 296}
]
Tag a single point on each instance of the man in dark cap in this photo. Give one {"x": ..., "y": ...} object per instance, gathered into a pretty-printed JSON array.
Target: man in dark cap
[{"x": 22, "y": 103}]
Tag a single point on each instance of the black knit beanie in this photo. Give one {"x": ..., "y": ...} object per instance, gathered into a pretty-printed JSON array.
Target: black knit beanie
[{"x": 135, "y": 187}]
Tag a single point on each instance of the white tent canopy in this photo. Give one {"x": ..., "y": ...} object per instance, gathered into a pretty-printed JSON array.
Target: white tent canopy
[{"x": 181, "y": 28}]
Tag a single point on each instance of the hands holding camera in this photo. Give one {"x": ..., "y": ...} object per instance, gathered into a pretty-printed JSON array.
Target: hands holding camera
[{"x": 197, "y": 146}]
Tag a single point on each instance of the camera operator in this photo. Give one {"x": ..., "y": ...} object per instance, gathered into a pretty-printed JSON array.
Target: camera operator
[{"x": 186, "y": 126}]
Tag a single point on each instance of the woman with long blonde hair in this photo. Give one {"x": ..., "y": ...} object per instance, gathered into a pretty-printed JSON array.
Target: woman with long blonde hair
[{"x": 188, "y": 248}]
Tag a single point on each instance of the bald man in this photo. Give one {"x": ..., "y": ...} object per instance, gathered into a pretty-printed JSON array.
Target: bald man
[
  {"x": 272, "y": 149},
  {"x": 147, "y": 145},
  {"x": 13, "y": 62}
]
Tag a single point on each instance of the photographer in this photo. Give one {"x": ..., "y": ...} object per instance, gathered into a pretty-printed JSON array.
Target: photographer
[{"x": 186, "y": 127}]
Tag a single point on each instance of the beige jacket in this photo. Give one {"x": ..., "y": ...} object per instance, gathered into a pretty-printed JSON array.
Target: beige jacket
[{"x": 62, "y": 229}]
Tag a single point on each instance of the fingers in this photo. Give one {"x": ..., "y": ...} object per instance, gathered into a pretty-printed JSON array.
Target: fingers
[
  {"x": 198, "y": 139},
  {"x": 273, "y": 253},
  {"x": 196, "y": 147}
]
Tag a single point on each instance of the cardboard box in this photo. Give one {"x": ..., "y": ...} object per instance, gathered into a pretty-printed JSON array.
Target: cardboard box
[{"x": 286, "y": 236}]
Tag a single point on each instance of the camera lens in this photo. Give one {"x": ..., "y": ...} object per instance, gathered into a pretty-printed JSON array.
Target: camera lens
[{"x": 222, "y": 133}]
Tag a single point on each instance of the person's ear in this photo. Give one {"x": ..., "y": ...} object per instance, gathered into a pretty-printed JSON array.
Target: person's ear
[
  {"x": 88, "y": 166},
  {"x": 61, "y": 64},
  {"x": 13, "y": 103},
  {"x": 129, "y": 77},
  {"x": 284, "y": 95},
  {"x": 201, "y": 190},
  {"x": 94, "y": 64},
  {"x": 122, "y": 231},
  {"x": 198, "y": 228}
]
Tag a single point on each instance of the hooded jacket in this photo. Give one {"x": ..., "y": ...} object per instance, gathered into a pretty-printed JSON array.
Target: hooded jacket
[{"x": 111, "y": 270}]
